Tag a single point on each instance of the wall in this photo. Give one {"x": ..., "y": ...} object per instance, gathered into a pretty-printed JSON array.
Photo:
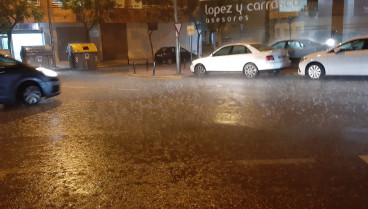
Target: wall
[
  {"x": 67, "y": 34},
  {"x": 57, "y": 14},
  {"x": 139, "y": 48},
  {"x": 355, "y": 18}
]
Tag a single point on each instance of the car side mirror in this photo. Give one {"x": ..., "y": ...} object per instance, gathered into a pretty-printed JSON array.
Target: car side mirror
[{"x": 337, "y": 50}]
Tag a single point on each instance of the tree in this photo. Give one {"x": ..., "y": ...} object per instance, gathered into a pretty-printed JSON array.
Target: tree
[
  {"x": 166, "y": 7},
  {"x": 90, "y": 12},
  {"x": 193, "y": 13},
  {"x": 13, "y": 12},
  {"x": 165, "y": 10}
]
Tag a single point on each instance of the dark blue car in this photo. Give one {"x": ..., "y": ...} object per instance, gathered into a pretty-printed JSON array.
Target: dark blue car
[
  {"x": 168, "y": 55},
  {"x": 23, "y": 83}
]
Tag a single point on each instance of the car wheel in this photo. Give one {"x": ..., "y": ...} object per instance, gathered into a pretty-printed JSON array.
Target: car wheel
[
  {"x": 199, "y": 71},
  {"x": 315, "y": 71},
  {"x": 31, "y": 95},
  {"x": 250, "y": 70}
]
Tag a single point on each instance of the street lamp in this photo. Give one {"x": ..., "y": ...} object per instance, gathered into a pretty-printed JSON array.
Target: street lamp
[
  {"x": 177, "y": 39},
  {"x": 51, "y": 33}
]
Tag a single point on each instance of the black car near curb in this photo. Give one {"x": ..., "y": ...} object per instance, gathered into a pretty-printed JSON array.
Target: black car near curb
[
  {"x": 24, "y": 83},
  {"x": 168, "y": 55}
]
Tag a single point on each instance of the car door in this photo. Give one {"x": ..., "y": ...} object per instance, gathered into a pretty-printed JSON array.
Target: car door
[
  {"x": 346, "y": 59},
  {"x": 8, "y": 73},
  {"x": 171, "y": 53},
  {"x": 184, "y": 55},
  {"x": 219, "y": 60},
  {"x": 365, "y": 58},
  {"x": 294, "y": 49},
  {"x": 3, "y": 82},
  {"x": 239, "y": 56},
  {"x": 279, "y": 45}
]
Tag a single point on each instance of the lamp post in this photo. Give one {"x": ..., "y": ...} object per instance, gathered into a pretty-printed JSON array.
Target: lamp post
[
  {"x": 177, "y": 39},
  {"x": 51, "y": 33}
]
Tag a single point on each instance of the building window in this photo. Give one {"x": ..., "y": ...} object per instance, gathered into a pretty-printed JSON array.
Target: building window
[
  {"x": 57, "y": 3},
  {"x": 36, "y": 2}
]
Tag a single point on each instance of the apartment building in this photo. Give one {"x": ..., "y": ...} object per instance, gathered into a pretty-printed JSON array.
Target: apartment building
[{"x": 126, "y": 36}]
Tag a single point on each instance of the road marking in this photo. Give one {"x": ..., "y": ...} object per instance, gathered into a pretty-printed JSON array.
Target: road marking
[
  {"x": 364, "y": 158},
  {"x": 127, "y": 89},
  {"x": 59, "y": 135},
  {"x": 82, "y": 87},
  {"x": 276, "y": 161},
  {"x": 75, "y": 87}
]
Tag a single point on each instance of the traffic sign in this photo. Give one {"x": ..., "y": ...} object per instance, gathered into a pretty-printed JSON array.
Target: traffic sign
[
  {"x": 190, "y": 30},
  {"x": 177, "y": 27}
]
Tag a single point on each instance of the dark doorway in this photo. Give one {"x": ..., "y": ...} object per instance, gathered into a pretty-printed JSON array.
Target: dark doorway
[{"x": 114, "y": 41}]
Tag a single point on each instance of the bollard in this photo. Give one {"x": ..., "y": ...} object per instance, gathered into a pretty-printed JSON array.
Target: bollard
[
  {"x": 147, "y": 65},
  {"x": 154, "y": 68},
  {"x": 134, "y": 67}
]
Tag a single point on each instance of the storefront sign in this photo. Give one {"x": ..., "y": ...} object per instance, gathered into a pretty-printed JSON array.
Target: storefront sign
[{"x": 239, "y": 12}]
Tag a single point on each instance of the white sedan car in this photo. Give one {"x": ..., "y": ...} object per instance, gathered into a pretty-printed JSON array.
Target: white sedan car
[
  {"x": 249, "y": 58},
  {"x": 348, "y": 58}
]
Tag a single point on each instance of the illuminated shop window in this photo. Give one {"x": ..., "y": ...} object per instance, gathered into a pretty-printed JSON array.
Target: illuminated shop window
[
  {"x": 36, "y": 2},
  {"x": 57, "y": 3}
]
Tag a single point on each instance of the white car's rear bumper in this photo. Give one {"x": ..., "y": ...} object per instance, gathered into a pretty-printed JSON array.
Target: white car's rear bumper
[{"x": 274, "y": 65}]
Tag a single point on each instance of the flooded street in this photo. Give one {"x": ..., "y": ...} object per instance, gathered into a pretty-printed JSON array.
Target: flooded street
[{"x": 116, "y": 141}]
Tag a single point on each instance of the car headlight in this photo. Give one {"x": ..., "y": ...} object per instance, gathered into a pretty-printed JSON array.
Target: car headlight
[
  {"x": 47, "y": 72},
  {"x": 330, "y": 42}
]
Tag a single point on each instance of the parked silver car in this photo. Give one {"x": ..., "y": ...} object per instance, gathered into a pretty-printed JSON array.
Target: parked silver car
[
  {"x": 348, "y": 58},
  {"x": 298, "y": 48}
]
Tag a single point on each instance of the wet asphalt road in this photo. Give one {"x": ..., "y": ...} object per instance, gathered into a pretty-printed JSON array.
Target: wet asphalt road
[{"x": 115, "y": 141}]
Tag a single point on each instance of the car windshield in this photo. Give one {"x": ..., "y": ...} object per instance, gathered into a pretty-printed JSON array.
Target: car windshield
[
  {"x": 165, "y": 49},
  {"x": 280, "y": 45},
  {"x": 261, "y": 47},
  {"x": 310, "y": 43}
]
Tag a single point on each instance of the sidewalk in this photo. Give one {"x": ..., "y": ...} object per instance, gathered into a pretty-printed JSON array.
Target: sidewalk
[
  {"x": 161, "y": 71},
  {"x": 141, "y": 70}
]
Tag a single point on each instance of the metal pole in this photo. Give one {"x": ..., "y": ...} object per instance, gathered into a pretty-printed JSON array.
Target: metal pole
[
  {"x": 191, "y": 49},
  {"x": 177, "y": 39},
  {"x": 154, "y": 68},
  {"x": 51, "y": 34},
  {"x": 134, "y": 67},
  {"x": 290, "y": 20},
  {"x": 147, "y": 65}
]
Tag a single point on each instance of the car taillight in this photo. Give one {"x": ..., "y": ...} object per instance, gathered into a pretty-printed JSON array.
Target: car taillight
[{"x": 268, "y": 58}]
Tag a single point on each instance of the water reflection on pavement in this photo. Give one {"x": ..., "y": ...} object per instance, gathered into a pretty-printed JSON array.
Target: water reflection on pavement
[{"x": 113, "y": 141}]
